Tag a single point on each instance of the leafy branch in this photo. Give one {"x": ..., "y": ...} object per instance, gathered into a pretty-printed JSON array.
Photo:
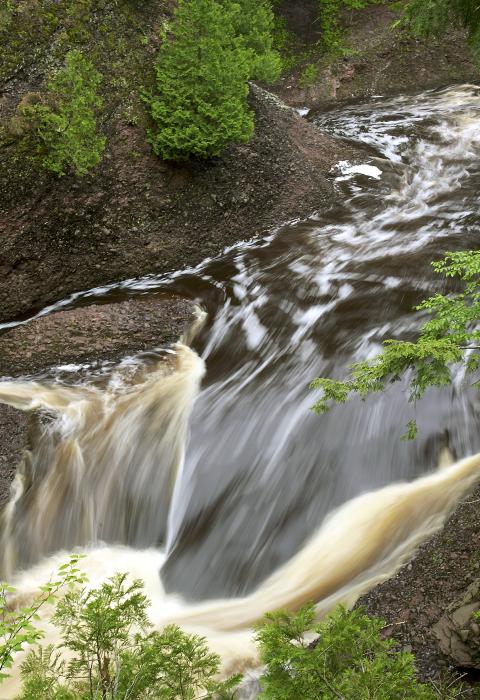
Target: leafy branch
[
  {"x": 450, "y": 337},
  {"x": 17, "y": 626}
]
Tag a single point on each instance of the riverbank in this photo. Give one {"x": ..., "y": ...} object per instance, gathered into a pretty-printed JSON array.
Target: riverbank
[
  {"x": 92, "y": 336},
  {"x": 381, "y": 58},
  {"x": 135, "y": 215},
  {"x": 414, "y": 600}
]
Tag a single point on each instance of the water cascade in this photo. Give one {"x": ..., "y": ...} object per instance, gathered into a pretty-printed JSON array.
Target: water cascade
[
  {"x": 266, "y": 505},
  {"x": 111, "y": 455}
]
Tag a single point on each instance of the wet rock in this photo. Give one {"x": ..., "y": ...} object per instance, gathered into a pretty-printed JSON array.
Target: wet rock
[
  {"x": 457, "y": 631},
  {"x": 93, "y": 333},
  {"x": 13, "y": 436}
]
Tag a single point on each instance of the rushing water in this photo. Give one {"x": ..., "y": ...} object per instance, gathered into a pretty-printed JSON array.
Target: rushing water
[{"x": 261, "y": 471}]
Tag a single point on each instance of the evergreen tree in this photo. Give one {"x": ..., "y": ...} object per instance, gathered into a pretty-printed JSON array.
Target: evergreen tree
[
  {"x": 63, "y": 124},
  {"x": 202, "y": 72},
  {"x": 255, "y": 29},
  {"x": 348, "y": 660}
]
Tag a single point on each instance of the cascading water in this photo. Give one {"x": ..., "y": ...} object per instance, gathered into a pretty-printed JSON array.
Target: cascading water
[
  {"x": 261, "y": 472},
  {"x": 112, "y": 455}
]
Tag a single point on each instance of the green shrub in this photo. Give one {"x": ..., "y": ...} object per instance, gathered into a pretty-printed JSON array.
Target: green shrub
[
  {"x": 308, "y": 76},
  {"x": 62, "y": 125},
  {"x": 255, "y": 27},
  {"x": 173, "y": 665},
  {"x": 113, "y": 655},
  {"x": 97, "y": 626},
  {"x": 330, "y": 22},
  {"x": 437, "y": 16},
  {"x": 348, "y": 660},
  {"x": 202, "y": 69},
  {"x": 6, "y": 11},
  {"x": 42, "y": 672}
]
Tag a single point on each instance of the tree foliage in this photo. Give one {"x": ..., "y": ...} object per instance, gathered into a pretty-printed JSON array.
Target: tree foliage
[
  {"x": 173, "y": 665},
  {"x": 450, "y": 337},
  {"x": 97, "y": 626},
  {"x": 108, "y": 652},
  {"x": 113, "y": 654},
  {"x": 424, "y": 17},
  {"x": 434, "y": 17},
  {"x": 200, "y": 102},
  {"x": 348, "y": 660},
  {"x": 330, "y": 19},
  {"x": 17, "y": 625},
  {"x": 62, "y": 124},
  {"x": 212, "y": 49},
  {"x": 255, "y": 28},
  {"x": 42, "y": 673}
]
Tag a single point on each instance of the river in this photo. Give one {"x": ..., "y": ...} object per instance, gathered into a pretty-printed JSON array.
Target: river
[{"x": 259, "y": 471}]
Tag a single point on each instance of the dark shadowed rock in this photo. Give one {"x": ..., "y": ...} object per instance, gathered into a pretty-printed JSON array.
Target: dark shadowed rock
[
  {"x": 97, "y": 332},
  {"x": 13, "y": 436},
  {"x": 458, "y": 632}
]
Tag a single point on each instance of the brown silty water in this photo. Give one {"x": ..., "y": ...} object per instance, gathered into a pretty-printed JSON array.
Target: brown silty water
[{"x": 266, "y": 505}]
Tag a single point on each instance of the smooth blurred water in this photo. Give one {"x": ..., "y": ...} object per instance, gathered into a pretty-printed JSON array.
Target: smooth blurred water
[{"x": 261, "y": 470}]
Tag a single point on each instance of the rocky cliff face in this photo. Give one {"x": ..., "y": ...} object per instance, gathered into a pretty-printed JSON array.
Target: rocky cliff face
[{"x": 380, "y": 58}]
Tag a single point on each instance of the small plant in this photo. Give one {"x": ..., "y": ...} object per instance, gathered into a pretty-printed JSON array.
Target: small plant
[
  {"x": 308, "y": 76},
  {"x": 62, "y": 124},
  {"x": 6, "y": 12},
  {"x": 17, "y": 626},
  {"x": 330, "y": 22},
  {"x": 113, "y": 655},
  {"x": 98, "y": 626},
  {"x": 42, "y": 672},
  {"x": 173, "y": 665}
]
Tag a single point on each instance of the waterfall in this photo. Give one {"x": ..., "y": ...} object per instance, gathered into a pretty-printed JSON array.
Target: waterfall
[
  {"x": 103, "y": 465},
  {"x": 265, "y": 505}
]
